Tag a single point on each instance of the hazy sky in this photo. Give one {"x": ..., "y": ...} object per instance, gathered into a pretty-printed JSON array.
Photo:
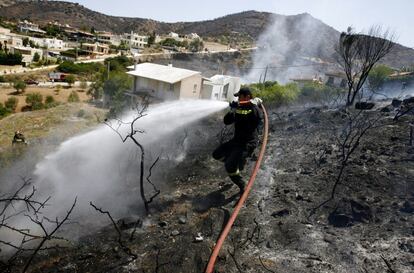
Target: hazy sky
[{"x": 337, "y": 13}]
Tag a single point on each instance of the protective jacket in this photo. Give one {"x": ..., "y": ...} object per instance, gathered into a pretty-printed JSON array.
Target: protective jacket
[{"x": 247, "y": 119}]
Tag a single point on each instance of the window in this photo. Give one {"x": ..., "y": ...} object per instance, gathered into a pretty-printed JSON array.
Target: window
[
  {"x": 195, "y": 88},
  {"x": 171, "y": 87}
]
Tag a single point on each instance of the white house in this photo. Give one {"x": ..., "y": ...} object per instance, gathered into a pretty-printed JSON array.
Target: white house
[
  {"x": 220, "y": 87},
  {"x": 10, "y": 40},
  {"x": 165, "y": 82},
  {"x": 134, "y": 40},
  {"x": 27, "y": 27},
  {"x": 50, "y": 43}
]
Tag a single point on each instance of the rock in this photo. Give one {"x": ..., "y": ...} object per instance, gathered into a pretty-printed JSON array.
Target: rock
[
  {"x": 407, "y": 207},
  {"x": 269, "y": 244},
  {"x": 182, "y": 219},
  {"x": 361, "y": 212},
  {"x": 299, "y": 197},
  {"x": 396, "y": 103},
  {"x": 129, "y": 222},
  {"x": 175, "y": 232},
  {"x": 199, "y": 238},
  {"x": 280, "y": 213},
  {"x": 339, "y": 219},
  {"x": 163, "y": 224},
  {"x": 364, "y": 105}
]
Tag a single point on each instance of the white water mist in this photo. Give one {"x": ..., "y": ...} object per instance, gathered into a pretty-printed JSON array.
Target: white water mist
[{"x": 91, "y": 166}]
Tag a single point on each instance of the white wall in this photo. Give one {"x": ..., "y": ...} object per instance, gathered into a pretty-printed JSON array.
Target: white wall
[
  {"x": 191, "y": 87},
  {"x": 215, "y": 89}
]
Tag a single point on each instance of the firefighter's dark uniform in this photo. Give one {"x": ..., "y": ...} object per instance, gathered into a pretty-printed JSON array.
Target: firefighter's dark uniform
[
  {"x": 247, "y": 119},
  {"x": 18, "y": 138}
]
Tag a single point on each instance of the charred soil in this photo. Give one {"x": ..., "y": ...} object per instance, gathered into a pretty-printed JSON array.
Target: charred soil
[{"x": 367, "y": 227}]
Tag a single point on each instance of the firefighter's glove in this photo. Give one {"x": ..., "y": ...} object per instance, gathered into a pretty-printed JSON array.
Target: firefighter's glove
[
  {"x": 256, "y": 101},
  {"x": 233, "y": 104}
]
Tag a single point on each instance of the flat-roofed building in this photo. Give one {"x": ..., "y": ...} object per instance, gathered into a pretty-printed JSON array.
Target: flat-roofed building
[{"x": 165, "y": 82}]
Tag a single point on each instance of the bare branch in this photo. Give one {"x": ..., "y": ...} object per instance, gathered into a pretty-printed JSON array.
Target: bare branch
[{"x": 124, "y": 248}]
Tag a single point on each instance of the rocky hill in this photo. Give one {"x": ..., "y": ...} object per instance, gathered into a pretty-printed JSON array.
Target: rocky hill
[{"x": 288, "y": 36}]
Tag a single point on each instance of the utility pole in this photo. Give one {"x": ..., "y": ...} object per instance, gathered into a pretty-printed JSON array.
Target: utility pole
[{"x": 264, "y": 78}]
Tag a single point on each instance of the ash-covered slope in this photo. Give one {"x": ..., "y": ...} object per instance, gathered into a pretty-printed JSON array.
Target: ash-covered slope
[{"x": 367, "y": 225}]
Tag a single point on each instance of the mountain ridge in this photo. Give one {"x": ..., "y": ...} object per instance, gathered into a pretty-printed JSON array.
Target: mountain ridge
[{"x": 320, "y": 39}]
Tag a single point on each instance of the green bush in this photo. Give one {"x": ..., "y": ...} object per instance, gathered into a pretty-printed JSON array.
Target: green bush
[
  {"x": 73, "y": 97},
  {"x": 118, "y": 63},
  {"x": 378, "y": 76},
  {"x": 274, "y": 94},
  {"x": 70, "y": 79},
  {"x": 82, "y": 68},
  {"x": 2, "y": 79},
  {"x": 20, "y": 86},
  {"x": 11, "y": 103},
  {"x": 49, "y": 99},
  {"x": 3, "y": 111},
  {"x": 316, "y": 92},
  {"x": 36, "y": 57},
  {"x": 50, "y": 102},
  {"x": 35, "y": 101}
]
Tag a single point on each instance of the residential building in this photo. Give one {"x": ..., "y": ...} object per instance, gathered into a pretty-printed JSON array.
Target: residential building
[
  {"x": 27, "y": 27},
  {"x": 27, "y": 53},
  {"x": 335, "y": 79},
  {"x": 105, "y": 37},
  {"x": 165, "y": 82},
  {"x": 134, "y": 40},
  {"x": 220, "y": 87},
  {"x": 192, "y": 36},
  {"x": 95, "y": 49},
  {"x": 10, "y": 40},
  {"x": 301, "y": 82},
  {"x": 50, "y": 43}
]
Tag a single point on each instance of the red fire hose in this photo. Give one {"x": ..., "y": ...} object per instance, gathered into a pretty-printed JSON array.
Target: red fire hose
[{"x": 227, "y": 228}]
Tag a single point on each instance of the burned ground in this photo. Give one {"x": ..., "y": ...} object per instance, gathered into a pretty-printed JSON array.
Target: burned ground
[{"x": 368, "y": 227}]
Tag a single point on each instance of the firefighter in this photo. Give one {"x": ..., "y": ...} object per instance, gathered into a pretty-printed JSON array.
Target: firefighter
[
  {"x": 18, "y": 138},
  {"x": 247, "y": 119}
]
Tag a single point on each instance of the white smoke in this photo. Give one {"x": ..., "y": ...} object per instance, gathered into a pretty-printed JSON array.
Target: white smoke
[{"x": 291, "y": 48}]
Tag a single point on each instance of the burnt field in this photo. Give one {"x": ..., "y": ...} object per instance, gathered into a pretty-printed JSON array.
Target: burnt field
[{"x": 289, "y": 223}]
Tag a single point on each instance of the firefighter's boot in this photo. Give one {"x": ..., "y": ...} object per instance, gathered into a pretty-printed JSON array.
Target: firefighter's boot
[{"x": 237, "y": 179}]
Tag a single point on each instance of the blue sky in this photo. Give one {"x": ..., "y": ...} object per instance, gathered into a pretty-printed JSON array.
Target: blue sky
[{"x": 361, "y": 14}]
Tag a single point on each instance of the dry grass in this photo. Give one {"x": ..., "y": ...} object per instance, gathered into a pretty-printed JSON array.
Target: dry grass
[
  {"x": 60, "y": 122},
  {"x": 61, "y": 96}
]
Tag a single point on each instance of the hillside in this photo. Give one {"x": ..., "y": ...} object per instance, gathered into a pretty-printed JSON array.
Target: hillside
[
  {"x": 368, "y": 227},
  {"x": 288, "y": 37}
]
